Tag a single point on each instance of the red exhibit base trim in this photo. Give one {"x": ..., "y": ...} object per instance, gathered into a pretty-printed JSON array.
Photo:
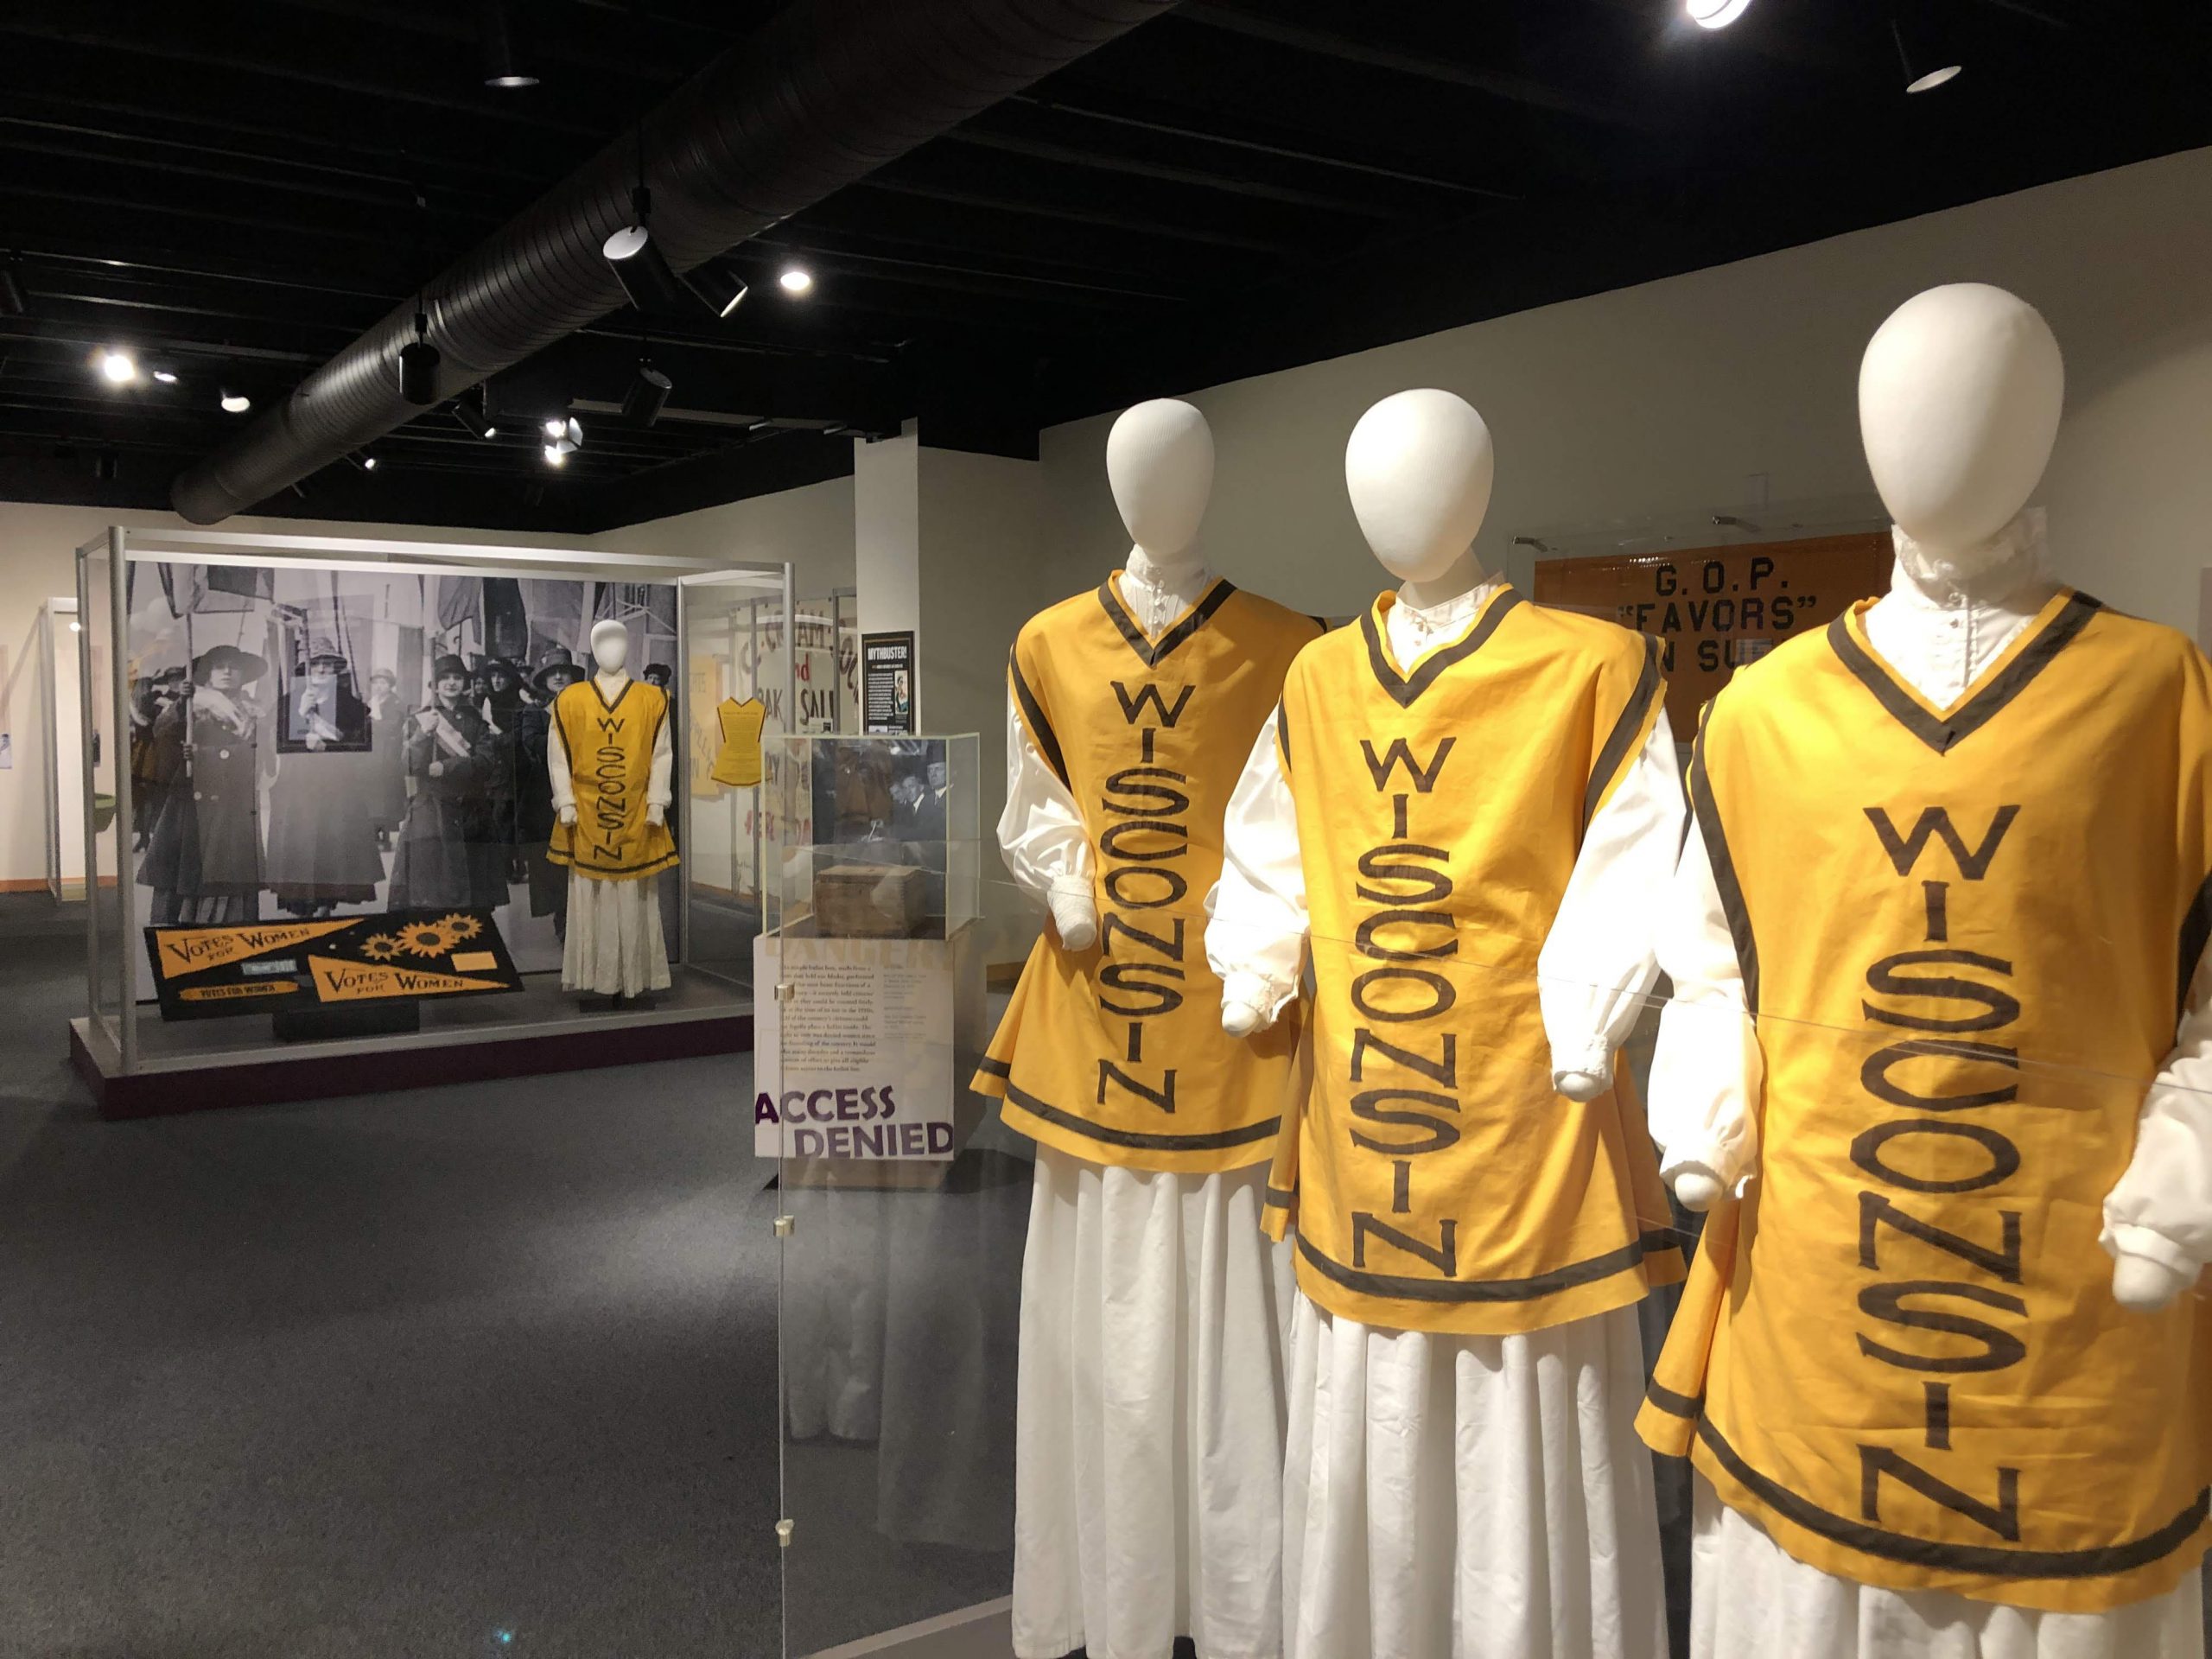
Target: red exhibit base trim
[{"x": 280, "y": 1078}]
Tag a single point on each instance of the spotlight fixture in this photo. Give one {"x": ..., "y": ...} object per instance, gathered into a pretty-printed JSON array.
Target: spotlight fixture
[
  {"x": 1716, "y": 13},
  {"x": 473, "y": 408},
  {"x": 418, "y": 364},
  {"x": 501, "y": 68},
  {"x": 167, "y": 377},
  {"x": 362, "y": 459},
  {"x": 718, "y": 290},
  {"x": 117, "y": 368},
  {"x": 234, "y": 402},
  {"x": 796, "y": 279},
  {"x": 556, "y": 456},
  {"x": 647, "y": 395},
  {"x": 1926, "y": 72}
]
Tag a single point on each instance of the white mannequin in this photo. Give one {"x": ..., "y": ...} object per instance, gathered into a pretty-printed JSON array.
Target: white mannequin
[
  {"x": 1411, "y": 1452},
  {"x": 610, "y": 650},
  {"x": 1159, "y": 464},
  {"x": 1959, "y": 400},
  {"x": 1419, "y": 468}
]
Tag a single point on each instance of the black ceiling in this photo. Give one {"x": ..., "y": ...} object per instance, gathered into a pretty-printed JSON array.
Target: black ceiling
[{"x": 238, "y": 188}]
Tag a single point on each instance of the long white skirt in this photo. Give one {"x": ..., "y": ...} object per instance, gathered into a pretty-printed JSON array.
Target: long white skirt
[
  {"x": 1470, "y": 1497},
  {"x": 614, "y": 945},
  {"x": 1751, "y": 1599},
  {"x": 1148, "y": 1437}
]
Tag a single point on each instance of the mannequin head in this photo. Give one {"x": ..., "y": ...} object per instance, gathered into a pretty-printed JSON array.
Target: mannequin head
[
  {"x": 610, "y": 645},
  {"x": 1959, "y": 398},
  {"x": 1160, "y": 461},
  {"x": 1419, "y": 469}
]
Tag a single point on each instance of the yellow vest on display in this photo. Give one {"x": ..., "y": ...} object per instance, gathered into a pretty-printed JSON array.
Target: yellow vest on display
[
  {"x": 610, "y": 752},
  {"x": 738, "y": 762},
  {"x": 1115, "y": 1054},
  {"x": 1965, "y": 934},
  {"x": 1439, "y": 1183}
]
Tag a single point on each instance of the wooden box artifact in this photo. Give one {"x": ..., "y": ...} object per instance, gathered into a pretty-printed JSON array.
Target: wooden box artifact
[{"x": 869, "y": 901}]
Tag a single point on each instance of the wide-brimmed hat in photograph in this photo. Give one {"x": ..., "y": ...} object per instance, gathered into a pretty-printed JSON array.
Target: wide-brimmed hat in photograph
[
  {"x": 448, "y": 667},
  {"x": 559, "y": 660},
  {"x": 326, "y": 651},
  {"x": 250, "y": 667}
]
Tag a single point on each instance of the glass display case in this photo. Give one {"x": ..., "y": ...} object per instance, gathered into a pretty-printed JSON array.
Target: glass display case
[{"x": 292, "y": 735}]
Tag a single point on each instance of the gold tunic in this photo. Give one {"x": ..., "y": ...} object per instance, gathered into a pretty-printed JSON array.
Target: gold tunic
[
  {"x": 610, "y": 752},
  {"x": 1965, "y": 934},
  {"x": 1439, "y": 1183},
  {"x": 1115, "y": 1054}
]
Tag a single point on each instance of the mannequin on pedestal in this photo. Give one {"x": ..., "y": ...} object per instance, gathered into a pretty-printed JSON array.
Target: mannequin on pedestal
[
  {"x": 2007, "y": 715},
  {"x": 1459, "y": 811},
  {"x": 1149, "y": 1439},
  {"x": 609, "y": 767}
]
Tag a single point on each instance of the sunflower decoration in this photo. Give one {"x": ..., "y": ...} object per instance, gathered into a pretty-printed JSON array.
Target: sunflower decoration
[
  {"x": 380, "y": 947},
  {"x": 425, "y": 939},
  {"x": 460, "y": 928}
]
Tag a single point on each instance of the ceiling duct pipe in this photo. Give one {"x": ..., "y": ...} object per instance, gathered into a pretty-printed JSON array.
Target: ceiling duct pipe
[{"x": 827, "y": 92}]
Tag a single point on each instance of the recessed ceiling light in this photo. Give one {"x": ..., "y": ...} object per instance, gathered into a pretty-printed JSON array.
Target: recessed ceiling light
[
  {"x": 118, "y": 368},
  {"x": 1716, "y": 13},
  {"x": 796, "y": 279},
  {"x": 167, "y": 377},
  {"x": 1935, "y": 77},
  {"x": 235, "y": 402}
]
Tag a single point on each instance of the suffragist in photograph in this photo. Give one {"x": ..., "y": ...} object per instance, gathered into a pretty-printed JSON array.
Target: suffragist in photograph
[
  {"x": 156, "y": 752},
  {"x": 388, "y": 745},
  {"x": 323, "y": 834},
  {"x": 503, "y": 707},
  {"x": 534, "y": 816},
  {"x": 203, "y": 857},
  {"x": 448, "y": 851}
]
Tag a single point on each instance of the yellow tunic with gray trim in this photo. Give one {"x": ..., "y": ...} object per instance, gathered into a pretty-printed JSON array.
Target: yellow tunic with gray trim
[
  {"x": 1965, "y": 934},
  {"x": 1439, "y": 1182},
  {"x": 1115, "y": 1054},
  {"x": 609, "y": 748}
]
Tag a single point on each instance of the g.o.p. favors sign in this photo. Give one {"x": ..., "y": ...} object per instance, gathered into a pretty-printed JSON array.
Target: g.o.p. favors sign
[{"x": 1716, "y": 608}]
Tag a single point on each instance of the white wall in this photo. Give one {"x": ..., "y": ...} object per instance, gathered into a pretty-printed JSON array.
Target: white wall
[
  {"x": 812, "y": 527},
  {"x": 1666, "y": 399}
]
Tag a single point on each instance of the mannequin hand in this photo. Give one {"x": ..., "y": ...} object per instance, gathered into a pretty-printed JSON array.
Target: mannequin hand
[
  {"x": 656, "y": 815},
  {"x": 1698, "y": 1187},
  {"x": 1075, "y": 919},
  {"x": 2144, "y": 1285},
  {"x": 1241, "y": 1018},
  {"x": 568, "y": 815},
  {"x": 1583, "y": 1085}
]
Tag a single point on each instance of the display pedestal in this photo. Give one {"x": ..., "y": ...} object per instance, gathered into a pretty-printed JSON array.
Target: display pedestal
[
  {"x": 536, "y": 1032},
  {"x": 330, "y": 1025},
  {"x": 862, "y": 1022}
]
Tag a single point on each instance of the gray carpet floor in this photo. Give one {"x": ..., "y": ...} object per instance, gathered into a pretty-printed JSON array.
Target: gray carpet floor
[{"x": 488, "y": 1369}]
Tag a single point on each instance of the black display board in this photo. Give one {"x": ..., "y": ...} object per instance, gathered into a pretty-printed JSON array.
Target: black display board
[
  {"x": 210, "y": 972},
  {"x": 887, "y": 683}
]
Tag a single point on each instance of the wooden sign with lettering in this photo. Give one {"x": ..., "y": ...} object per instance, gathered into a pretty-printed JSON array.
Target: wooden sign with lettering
[{"x": 1715, "y": 609}]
